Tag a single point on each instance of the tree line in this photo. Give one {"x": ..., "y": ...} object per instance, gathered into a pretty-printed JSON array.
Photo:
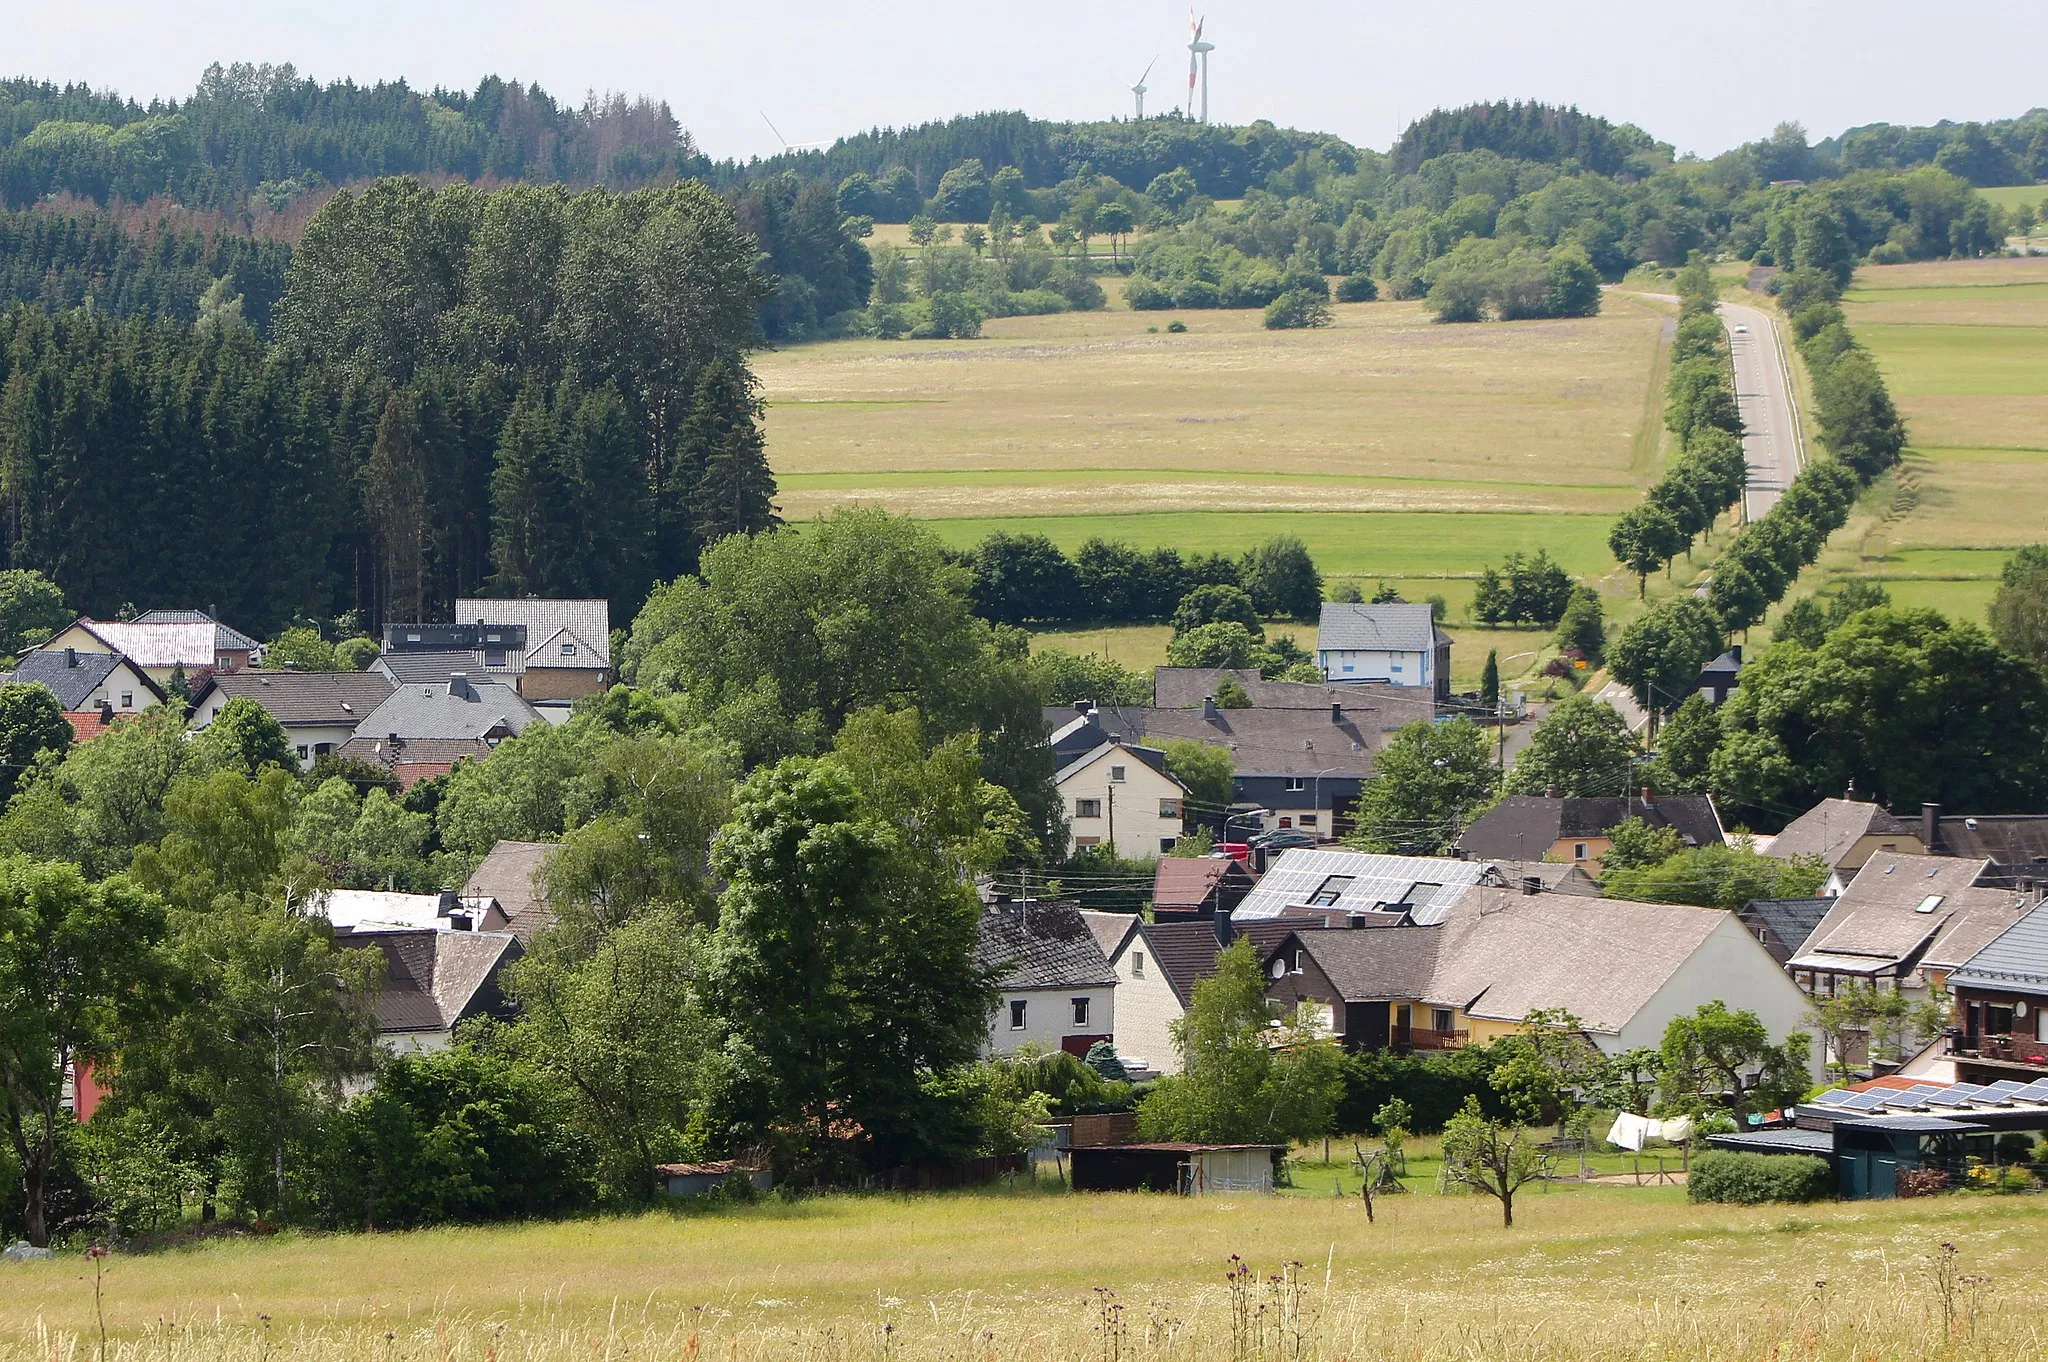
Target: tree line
[
  {"x": 131, "y": 267},
  {"x": 1028, "y": 579},
  {"x": 521, "y": 392},
  {"x": 1710, "y": 471}
]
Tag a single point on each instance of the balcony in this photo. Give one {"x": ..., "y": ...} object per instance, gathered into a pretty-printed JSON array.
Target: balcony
[
  {"x": 2004, "y": 1049},
  {"x": 1423, "y": 1038}
]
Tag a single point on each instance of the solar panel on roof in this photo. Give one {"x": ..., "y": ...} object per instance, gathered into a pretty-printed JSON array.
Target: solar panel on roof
[
  {"x": 2006, "y": 1087},
  {"x": 1865, "y": 1101},
  {"x": 2037, "y": 1089},
  {"x": 1903, "y": 1098},
  {"x": 1833, "y": 1097},
  {"x": 1951, "y": 1097}
]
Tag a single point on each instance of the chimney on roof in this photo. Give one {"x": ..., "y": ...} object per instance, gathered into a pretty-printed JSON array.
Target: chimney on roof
[
  {"x": 106, "y": 711},
  {"x": 71, "y": 657},
  {"x": 1649, "y": 797},
  {"x": 1532, "y": 884},
  {"x": 1735, "y": 654},
  {"x": 1930, "y": 828},
  {"x": 1225, "y": 931},
  {"x": 1336, "y": 712},
  {"x": 1209, "y": 710},
  {"x": 1083, "y": 706},
  {"x": 1355, "y": 918},
  {"x": 458, "y": 685}
]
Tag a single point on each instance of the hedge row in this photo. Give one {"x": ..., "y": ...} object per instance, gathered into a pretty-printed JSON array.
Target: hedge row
[{"x": 1749, "y": 1179}]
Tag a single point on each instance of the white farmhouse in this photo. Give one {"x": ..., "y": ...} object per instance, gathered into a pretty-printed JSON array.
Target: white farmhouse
[
  {"x": 1393, "y": 645},
  {"x": 1119, "y": 797},
  {"x": 1058, "y": 992}
]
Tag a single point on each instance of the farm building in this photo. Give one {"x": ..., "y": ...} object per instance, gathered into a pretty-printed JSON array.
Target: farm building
[
  {"x": 1189, "y": 1169},
  {"x": 700, "y": 1179}
]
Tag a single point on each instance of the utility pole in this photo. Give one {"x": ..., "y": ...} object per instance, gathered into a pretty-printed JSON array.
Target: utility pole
[
  {"x": 1500, "y": 728},
  {"x": 1112, "y": 820}
]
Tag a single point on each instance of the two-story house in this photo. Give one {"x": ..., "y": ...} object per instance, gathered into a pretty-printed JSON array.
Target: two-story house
[
  {"x": 1058, "y": 991},
  {"x": 92, "y": 688},
  {"x": 319, "y": 711},
  {"x": 164, "y": 643},
  {"x": 1118, "y": 796},
  {"x": 2001, "y": 1005},
  {"x": 1394, "y": 645}
]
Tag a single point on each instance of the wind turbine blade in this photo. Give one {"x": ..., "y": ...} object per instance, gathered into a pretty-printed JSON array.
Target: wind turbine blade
[
  {"x": 777, "y": 131},
  {"x": 1148, "y": 67}
]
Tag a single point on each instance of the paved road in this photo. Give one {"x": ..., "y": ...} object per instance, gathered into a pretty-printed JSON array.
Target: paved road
[{"x": 1764, "y": 394}]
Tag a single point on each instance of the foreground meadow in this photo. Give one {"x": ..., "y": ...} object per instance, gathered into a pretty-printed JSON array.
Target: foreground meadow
[
  {"x": 1964, "y": 349},
  {"x": 1589, "y": 1274}
]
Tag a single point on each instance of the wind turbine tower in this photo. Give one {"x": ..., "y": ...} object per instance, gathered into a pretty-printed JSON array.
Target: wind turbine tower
[
  {"x": 1198, "y": 52},
  {"x": 1139, "y": 88}
]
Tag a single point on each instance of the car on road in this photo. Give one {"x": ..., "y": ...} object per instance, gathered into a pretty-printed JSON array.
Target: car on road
[{"x": 1742, "y": 331}]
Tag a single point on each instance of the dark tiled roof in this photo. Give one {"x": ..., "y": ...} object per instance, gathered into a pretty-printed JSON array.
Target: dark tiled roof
[
  {"x": 1185, "y": 952},
  {"x": 1272, "y": 741},
  {"x": 70, "y": 684},
  {"x": 1041, "y": 945},
  {"x": 1376, "y": 628},
  {"x": 1525, "y": 826},
  {"x": 2017, "y": 958},
  {"x": 432, "y": 978},
  {"x": 428, "y": 668},
  {"x": 302, "y": 698},
  {"x": 1791, "y": 921},
  {"x": 1187, "y": 687},
  {"x": 1830, "y": 828},
  {"x": 2015, "y": 843},
  {"x": 1375, "y": 966},
  {"x": 413, "y": 751},
  {"x": 508, "y": 875},
  {"x": 1151, "y": 756}
]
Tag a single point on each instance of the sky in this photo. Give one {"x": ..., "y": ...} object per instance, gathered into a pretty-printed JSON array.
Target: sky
[{"x": 1701, "y": 77}]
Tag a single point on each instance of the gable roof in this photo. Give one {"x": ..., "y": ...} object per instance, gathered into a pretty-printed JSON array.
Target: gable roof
[
  {"x": 1832, "y": 827},
  {"x": 2016, "y": 959},
  {"x": 170, "y": 638},
  {"x": 1150, "y": 756},
  {"x": 1505, "y": 955},
  {"x": 428, "y": 668},
  {"x": 1556, "y": 877},
  {"x": 1188, "y": 881},
  {"x": 1525, "y": 826},
  {"x": 1109, "y": 929},
  {"x": 590, "y": 620},
  {"x": 72, "y": 684},
  {"x": 1185, "y": 952},
  {"x": 1351, "y": 627},
  {"x": 470, "y": 708},
  {"x": 1041, "y": 945},
  {"x": 1187, "y": 687},
  {"x": 566, "y": 648},
  {"x": 1276, "y": 741},
  {"x": 304, "y": 698},
  {"x": 1374, "y": 965},
  {"x": 1904, "y": 911},
  {"x": 433, "y": 979},
  {"x": 1791, "y": 921},
  {"x": 2015, "y": 843},
  {"x": 508, "y": 874},
  {"x": 442, "y": 752},
  {"x": 1430, "y": 884}
]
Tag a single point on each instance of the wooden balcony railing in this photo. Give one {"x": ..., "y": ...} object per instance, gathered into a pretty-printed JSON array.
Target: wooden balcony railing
[
  {"x": 2015, "y": 1049},
  {"x": 1423, "y": 1038}
]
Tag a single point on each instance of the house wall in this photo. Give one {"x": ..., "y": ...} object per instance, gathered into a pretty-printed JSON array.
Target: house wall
[
  {"x": 1146, "y": 1008},
  {"x": 1730, "y": 966},
  {"x": 1219, "y": 1172},
  {"x": 1308, "y": 984},
  {"x": 124, "y": 682},
  {"x": 1049, "y": 1017},
  {"x": 1142, "y": 831},
  {"x": 305, "y": 738},
  {"x": 561, "y": 683},
  {"x": 1390, "y": 667}
]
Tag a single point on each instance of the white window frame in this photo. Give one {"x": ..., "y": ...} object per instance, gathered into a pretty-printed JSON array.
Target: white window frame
[
  {"x": 1019, "y": 1014},
  {"x": 1080, "y": 1006}
]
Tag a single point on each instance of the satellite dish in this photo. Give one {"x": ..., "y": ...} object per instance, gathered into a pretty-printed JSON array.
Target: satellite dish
[
  {"x": 1279, "y": 968},
  {"x": 2019, "y": 1009}
]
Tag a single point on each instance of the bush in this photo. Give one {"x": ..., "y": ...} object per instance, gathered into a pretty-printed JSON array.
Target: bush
[
  {"x": 1146, "y": 295},
  {"x": 1177, "y": 327},
  {"x": 1357, "y": 288},
  {"x": 1295, "y": 310},
  {"x": 1198, "y": 293},
  {"x": 1750, "y": 1179}
]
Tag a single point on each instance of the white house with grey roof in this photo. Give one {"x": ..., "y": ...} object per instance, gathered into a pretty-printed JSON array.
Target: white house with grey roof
[
  {"x": 1058, "y": 991},
  {"x": 319, "y": 711},
  {"x": 1119, "y": 797},
  {"x": 87, "y": 681},
  {"x": 1393, "y": 645},
  {"x": 457, "y": 709}
]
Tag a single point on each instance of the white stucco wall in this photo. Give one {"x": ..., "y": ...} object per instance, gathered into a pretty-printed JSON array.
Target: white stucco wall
[
  {"x": 1416, "y": 669},
  {"x": 1731, "y": 966},
  {"x": 308, "y": 736},
  {"x": 1049, "y": 1017},
  {"x": 1140, "y": 827},
  {"x": 1146, "y": 1009}
]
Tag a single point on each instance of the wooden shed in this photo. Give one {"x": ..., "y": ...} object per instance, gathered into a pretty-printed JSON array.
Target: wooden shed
[
  {"x": 1189, "y": 1169},
  {"x": 696, "y": 1179}
]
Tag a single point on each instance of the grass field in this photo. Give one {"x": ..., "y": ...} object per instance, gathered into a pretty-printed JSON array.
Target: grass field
[
  {"x": 1104, "y": 424},
  {"x": 1587, "y": 1275},
  {"x": 2012, "y": 195},
  {"x": 1964, "y": 350}
]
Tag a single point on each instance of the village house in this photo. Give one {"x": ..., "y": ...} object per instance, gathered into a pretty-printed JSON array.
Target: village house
[
  {"x": 91, "y": 688},
  {"x": 433, "y": 981},
  {"x": 549, "y": 651},
  {"x": 378, "y": 909},
  {"x": 1784, "y": 926},
  {"x": 1626, "y": 970},
  {"x": 1842, "y": 834},
  {"x": 1198, "y": 886},
  {"x": 1119, "y": 797},
  {"x": 1341, "y": 885},
  {"x": 2001, "y": 1005},
  {"x": 1903, "y": 923},
  {"x": 421, "y": 731},
  {"x": 319, "y": 711},
  {"x": 512, "y": 875},
  {"x": 164, "y": 643},
  {"x": 1058, "y": 992},
  {"x": 1579, "y": 830},
  {"x": 1158, "y": 964},
  {"x": 1394, "y": 645}
]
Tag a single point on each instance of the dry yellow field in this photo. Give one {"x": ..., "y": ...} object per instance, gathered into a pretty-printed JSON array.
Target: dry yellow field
[
  {"x": 1091, "y": 413},
  {"x": 1611, "y": 1274}
]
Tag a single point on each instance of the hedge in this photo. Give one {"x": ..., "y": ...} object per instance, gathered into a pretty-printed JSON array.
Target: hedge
[{"x": 1749, "y": 1179}]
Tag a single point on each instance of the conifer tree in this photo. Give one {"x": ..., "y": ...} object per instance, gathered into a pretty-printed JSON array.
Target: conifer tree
[{"x": 735, "y": 490}]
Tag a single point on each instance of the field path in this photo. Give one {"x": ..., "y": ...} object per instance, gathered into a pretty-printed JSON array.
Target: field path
[{"x": 1763, "y": 392}]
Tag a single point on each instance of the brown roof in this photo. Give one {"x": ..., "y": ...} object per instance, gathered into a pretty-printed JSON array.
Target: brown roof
[
  {"x": 1264, "y": 740},
  {"x": 1525, "y": 826},
  {"x": 334, "y": 699},
  {"x": 510, "y": 874},
  {"x": 442, "y": 752},
  {"x": 1188, "y": 881},
  {"x": 1903, "y": 910},
  {"x": 434, "y": 978},
  {"x": 1185, "y": 952},
  {"x": 1374, "y": 966},
  {"x": 1830, "y": 828}
]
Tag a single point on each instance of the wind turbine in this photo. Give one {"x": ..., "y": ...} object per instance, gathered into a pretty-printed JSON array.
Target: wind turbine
[
  {"x": 1139, "y": 88},
  {"x": 1198, "y": 51}
]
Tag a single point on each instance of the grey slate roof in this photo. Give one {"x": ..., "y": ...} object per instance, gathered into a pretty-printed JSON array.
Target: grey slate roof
[
  {"x": 471, "y": 709},
  {"x": 1830, "y": 828},
  {"x": 1187, "y": 687},
  {"x": 1151, "y": 756},
  {"x": 1350, "y": 627},
  {"x": 2017, "y": 958},
  {"x": 72, "y": 686},
  {"x": 1791, "y": 921},
  {"x": 1185, "y": 952},
  {"x": 1275, "y": 741},
  {"x": 1556, "y": 877},
  {"x": 589, "y": 620},
  {"x": 427, "y": 668},
  {"x": 1041, "y": 945},
  {"x": 412, "y": 752},
  {"x": 1524, "y": 826},
  {"x": 2015, "y": 843},
  {"x": 1376, "y": 965},
  {"x": 305, "y": 698},
  {"x": 508, "y": 874},
  {"x": 1906, "y": 911}
]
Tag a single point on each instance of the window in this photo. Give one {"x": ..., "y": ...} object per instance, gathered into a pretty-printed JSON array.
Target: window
[
  {"x": 321, "y": 749},
  {"x": 127, "y": 699},
  {"x": 568, "y": 650},
  {"x": 1926, "y": 905},
  {"x": 1998, "y": 1020},
  {"x": 1167, "y": 844},
  {"x": 1307, "y": 820},
  {"x": 224, "y": 663},
  {"x": 1087, "y": 841},
  {"x": 1286, "y": 822},
  {"x": 1087, "y": 808},
  {"x": 1080, "y": 1011},
  {"x": 1440, "y": 1018},
  {"x": 494, "y": 657},
  {"x": 1330, "y": 891},
  {"x": 412, "y": 638},
  {"x": 1017, "y": 1014},
  {"x": 302, "y": 751},
  {"x": 1404, "y": 1017},
  {"x": 1296, "y": 783},
  {"x": 1299, "y": 956},
  {"x": 1578, "y": 851},
  {"x": 1137, "y": 964},
  {"x": 1396, "y": 668},
  {"x": 494, "y": 638},
  {"x": 1116, "y": 773},
  {"x": 1347, "y": 667},
  {"x": 1169, "y": 808}
]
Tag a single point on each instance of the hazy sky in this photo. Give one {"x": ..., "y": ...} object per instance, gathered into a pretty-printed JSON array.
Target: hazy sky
[{"x": 1703, "y": 77}]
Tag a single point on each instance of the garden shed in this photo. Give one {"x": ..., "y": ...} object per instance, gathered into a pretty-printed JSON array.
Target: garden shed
[{"x": 1189, "y": 1169}]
